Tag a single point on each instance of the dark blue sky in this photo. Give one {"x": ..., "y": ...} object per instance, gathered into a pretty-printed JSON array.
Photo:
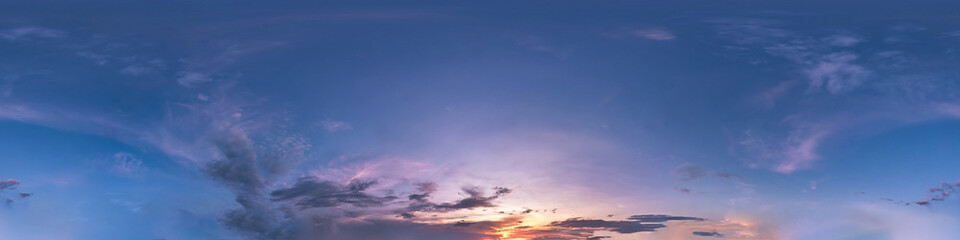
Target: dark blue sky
[{"x": 447, "y": 120}]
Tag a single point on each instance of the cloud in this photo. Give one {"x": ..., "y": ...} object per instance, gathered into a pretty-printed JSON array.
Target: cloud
[
  {"x": 842, "y": 40},
  {"x": 318, "y": 207},
  {"x": 238, "y": 171},
  {"x": 146, "y": 67},
  {"x": 585, "y": 228},
  {"x": 614, "y": 226},
  {"x": 205, "y": 66},
  {"x": 768, "y": 98},
  {"x": 836, "y": 72},
  {"x": 190, "y": 79},
  {"x": 955, "y": 34},
  {"x": 11, "y": 184},
  {"x": 682, "y": 189},
  {"x": 654, "y": 34},
  {"x": 238, "y": 168},
  {"x": 386, "y": 229},
  {"x": 750, "y": 31},
  {"x": 331, "y": 125},
  {"x": 825, "y": 68},
  {"x": 708, "y": 234},
  {"x": 8, "y": 184},
  {"x": 941, "y": 193},
  {"x": 30, "y": 32},
  {"x": 309, "y": 192},
  {"x": 795, "y": 152},
  {"x": 539, "y": 44},
  {"x": 690, "y": 171},
  {"x": 126, "y": 164},
  {"x": 661, "y": 218},
  {"x": 475, "y": 199}
]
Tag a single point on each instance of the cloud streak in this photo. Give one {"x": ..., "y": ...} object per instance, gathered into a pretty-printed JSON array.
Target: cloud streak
[{"x": 23, "y": 33}]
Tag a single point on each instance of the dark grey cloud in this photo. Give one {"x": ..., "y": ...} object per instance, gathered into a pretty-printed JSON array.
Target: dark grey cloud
[
  {"x": 238, "y": 171},
  {"x": 898, "y": 202},
  {"x": 661, "y": 218},
  {"x": 8, "y": 184},
  {"x": 614, "y": 226},
  {"x": 586, "y": 228},
  {"x": 11, "y": 184},
  {"x": 475, "y": 199},
  {"x": 708, "y": 234},
  {"x": 257, "y": 220},
  {"x": 286, "y": 213},
  {"x": 310, "y": 192},
  {"x": 380, "y": 229},
  {"x": 690, "y": 171},
  {"x": 728, "y": 176}
]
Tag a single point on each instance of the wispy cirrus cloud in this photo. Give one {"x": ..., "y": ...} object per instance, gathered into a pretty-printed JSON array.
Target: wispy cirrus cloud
[
  {"x": 824, "y": 61},
  {"x": 842, "y": 40},
  {"x": 652, "y": 33},
  {"x": 331, "y": 125},
  {"x": 834, "y": 66},
  {"x": 127, "y": 164},
  {"x": 837, "y": 72},
  {"x": 24, "y": 33},
  {"x": 796, "y": 151},
  {"x": 768, "y": 98},
  {"x": 657, "y": 34},
  {"x": 539, "y": 43}
]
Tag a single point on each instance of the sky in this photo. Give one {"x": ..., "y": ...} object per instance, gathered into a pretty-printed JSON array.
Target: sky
[{"x": 479, "y": 120}]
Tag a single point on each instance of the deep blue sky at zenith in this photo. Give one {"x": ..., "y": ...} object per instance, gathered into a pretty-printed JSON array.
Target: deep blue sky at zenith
[{"x": 397, "y": 120}]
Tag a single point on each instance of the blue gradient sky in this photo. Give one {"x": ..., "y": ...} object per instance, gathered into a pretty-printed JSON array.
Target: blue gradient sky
[{"x": 325, "y": 120}]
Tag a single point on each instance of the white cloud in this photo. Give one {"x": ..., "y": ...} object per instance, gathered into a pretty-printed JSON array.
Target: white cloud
[
  {"x": 335, "y": 126},
  {"x": 537, "y": 43},
  {"x": 126, "y": 164},
  {"x": 842, "y": 40},
  {"x": 955, "y": 34},
  {"x": 837, "y": 72},
  {"x": 654, "y": 34},
  {"x": 769, "y": 97},
  {"x": 189, "y": 79},
  {"x": 30, "y": 32},
  {"x": 824, "y": 68}
]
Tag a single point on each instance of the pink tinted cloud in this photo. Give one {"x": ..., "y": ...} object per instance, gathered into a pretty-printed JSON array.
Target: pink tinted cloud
[
  {"x": 769, "y": 97},
  {"x": 8, "y": 184},
  {"x": 796, "y": 151},
  {"x": 802, "y": 152}
]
